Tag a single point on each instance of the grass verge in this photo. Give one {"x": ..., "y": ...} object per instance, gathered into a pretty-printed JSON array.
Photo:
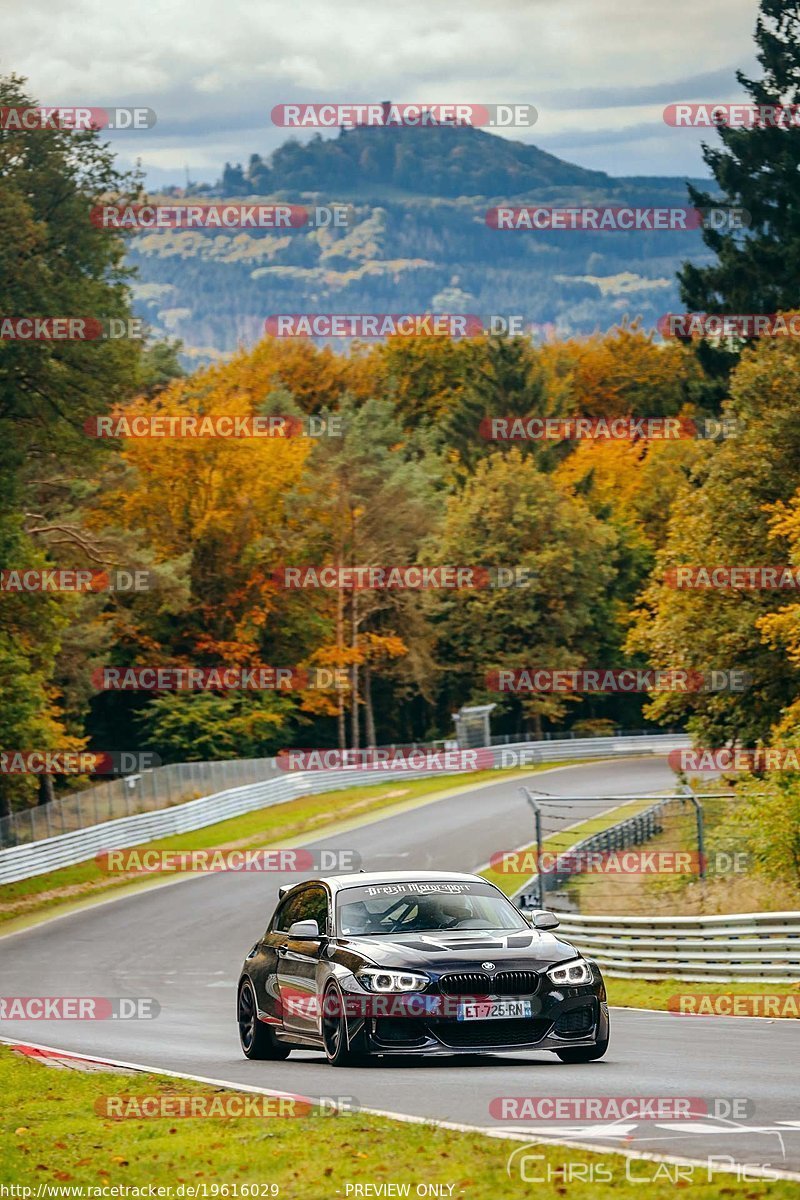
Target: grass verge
[
  {"x": 656, "y": 993},
  {"x": 54, "y": 1138}
]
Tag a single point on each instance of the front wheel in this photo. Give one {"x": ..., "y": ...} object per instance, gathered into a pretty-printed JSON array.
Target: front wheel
[
  {"x": 583, "y": 1054},
  {"x": 258, "y": 1040},
  {"x": 339, "y": 1051}
]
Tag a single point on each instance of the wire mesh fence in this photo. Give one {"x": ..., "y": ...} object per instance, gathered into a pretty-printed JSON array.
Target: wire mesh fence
[
  {"x": 159, "y": 787},
  {"x": 656, "y": 850}
]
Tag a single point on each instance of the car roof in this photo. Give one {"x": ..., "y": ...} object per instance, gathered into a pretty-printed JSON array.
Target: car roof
[{"x": 363, "y": 878}]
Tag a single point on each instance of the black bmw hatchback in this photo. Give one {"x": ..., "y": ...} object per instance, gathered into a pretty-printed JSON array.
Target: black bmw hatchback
[{"x": 424, "y": 963}]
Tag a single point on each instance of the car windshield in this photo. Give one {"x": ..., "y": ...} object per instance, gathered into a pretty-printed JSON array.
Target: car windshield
[{"x": 424, "y": 907}]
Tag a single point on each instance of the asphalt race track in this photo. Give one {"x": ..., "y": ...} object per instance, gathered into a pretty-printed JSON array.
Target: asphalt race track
[{"x": 183, "y": 944}]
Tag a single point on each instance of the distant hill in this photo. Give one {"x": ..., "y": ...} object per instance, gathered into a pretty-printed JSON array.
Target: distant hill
[
  {"x": 444, "y": 161},
  {"x": 418, "y": 240}
]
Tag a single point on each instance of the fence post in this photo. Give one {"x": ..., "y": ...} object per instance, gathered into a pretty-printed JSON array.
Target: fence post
[
  {"x": 537, "y": 818},
  {"x": 701, "y": 850}
]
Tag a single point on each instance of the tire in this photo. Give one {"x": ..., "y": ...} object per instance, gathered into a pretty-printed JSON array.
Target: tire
[
  {"x": 334, "y": 1033},
  {"x": 257, "y": 1039},
  {"x": 583, "y": 1054}
]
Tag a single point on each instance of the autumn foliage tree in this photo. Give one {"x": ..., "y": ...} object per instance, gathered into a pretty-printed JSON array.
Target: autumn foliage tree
[
  {"x": 53, "y": 261},
  {"x": 736, "y": 508},
  {"x": 511, "y": 515}
]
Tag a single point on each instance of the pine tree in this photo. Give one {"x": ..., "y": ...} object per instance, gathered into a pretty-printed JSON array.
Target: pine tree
[
  {"x": 758, "y": 269},
  {"x": 509, "y": 382}
]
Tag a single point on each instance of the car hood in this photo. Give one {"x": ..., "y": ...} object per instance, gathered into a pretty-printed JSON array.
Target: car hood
[{"x": 534, "y": 949}]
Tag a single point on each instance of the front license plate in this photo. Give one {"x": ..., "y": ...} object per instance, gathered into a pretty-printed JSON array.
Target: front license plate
[{"x": 493, "y": 1010}]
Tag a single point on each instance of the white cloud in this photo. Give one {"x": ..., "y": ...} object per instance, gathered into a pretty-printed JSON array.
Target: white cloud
[{"x": 212, "y": 74}]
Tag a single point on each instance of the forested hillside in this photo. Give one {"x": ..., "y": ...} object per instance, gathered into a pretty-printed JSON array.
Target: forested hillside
[{"x": 417, "y": 241}]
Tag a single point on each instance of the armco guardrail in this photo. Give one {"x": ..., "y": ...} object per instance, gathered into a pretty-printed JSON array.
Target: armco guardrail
[
  {"x": 741, "y": 946},
  {"x": 47, "y": 854},
  {"x": 598, "y": 747}
]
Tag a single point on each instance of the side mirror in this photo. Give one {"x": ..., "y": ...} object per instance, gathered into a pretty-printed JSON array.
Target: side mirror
[
  {"x": 305, "y": 929},
  {"x": 543, "y": 918}
]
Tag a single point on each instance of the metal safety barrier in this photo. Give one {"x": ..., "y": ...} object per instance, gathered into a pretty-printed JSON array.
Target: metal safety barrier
[
  {"x": 65, "y": 849},
  {"x": 740, "y": 946},
  {"x": 763, "y": 947}
]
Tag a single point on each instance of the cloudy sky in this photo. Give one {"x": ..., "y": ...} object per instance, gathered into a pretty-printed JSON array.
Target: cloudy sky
[{"x": 599, "y": 71}]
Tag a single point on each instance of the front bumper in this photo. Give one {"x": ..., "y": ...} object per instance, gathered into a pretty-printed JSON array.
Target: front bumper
[{"x": 561, "y": 1018}]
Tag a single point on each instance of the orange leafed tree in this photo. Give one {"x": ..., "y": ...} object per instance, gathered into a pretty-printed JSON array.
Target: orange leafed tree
[
  {"x": 217, "y": 502},
  {"x": 622, "y": 372}
]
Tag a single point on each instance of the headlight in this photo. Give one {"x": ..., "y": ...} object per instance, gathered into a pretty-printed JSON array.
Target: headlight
[
  {"x": 375, "y": 980},
  {"x": 577, "y": 971}
]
